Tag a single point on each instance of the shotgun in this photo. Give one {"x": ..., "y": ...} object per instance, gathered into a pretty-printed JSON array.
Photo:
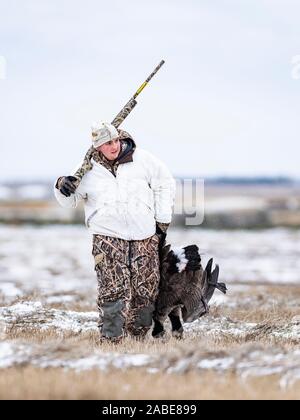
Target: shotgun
[{"x": 117, "y": 121}]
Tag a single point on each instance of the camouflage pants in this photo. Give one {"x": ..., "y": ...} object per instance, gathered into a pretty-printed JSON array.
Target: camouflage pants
[{"x": 128, "y": 279}]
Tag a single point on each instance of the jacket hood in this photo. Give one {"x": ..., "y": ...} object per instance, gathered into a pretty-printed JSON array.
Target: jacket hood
[{"x": 127, "y": 150}]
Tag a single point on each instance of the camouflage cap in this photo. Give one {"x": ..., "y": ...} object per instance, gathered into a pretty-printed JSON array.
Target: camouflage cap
[{"x": 103, "y": 132}]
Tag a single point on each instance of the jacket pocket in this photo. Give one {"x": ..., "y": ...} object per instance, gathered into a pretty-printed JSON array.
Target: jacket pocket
[
  {"x": 91, "y": 216},
  {"x": 98, "y": 212}
]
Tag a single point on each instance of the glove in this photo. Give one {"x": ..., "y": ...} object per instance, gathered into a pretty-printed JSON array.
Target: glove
[
  {"x": 161, "y": 232},
  {"x": 161, "y": 227},
  {"x": 66, "y": 185}
]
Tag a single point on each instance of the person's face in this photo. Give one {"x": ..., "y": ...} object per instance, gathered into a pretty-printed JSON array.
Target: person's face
[{"x": 111, "y": 149}]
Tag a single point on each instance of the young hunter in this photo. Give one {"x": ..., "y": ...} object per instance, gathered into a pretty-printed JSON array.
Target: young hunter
[{"x": 128, "y": 198}]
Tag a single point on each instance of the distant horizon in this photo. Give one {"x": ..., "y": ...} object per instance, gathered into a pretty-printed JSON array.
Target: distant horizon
[{"x": 261, "y": 179}]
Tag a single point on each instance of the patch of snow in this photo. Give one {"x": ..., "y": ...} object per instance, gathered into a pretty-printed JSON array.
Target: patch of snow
[
  {"x": 24, "y": 308},
  {"x": 133, "y": 360},
  {"x": 32, "y": 315},
  {"x": 14, "y": 354},
  {"x": 60, "y": 299},
  {"x": 251, "y": 256},
  {"x": 244, "y": 361},
  {"x": 11, "y": 355},
  {"x": 219, "y": 327},
  {"x": 180, "y": 366},
  {"x": 88, "y": 363},
  {"x": 108, "y": 360},
  {"x": 296, "y": 319},
  {"x": 218, "y": 364},
  {"x": 218, "y": 299},
  {"x": 39, "y": 261}
]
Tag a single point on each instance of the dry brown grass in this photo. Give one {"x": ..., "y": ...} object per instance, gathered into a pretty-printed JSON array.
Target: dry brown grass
[
  {"x": 265, "y": 303},
  {"x": 33, "y": 383},
  {"x": 268, "y": 304},
  {"x": 91, "y": 341},
  {"x": 258, "y": 315}
]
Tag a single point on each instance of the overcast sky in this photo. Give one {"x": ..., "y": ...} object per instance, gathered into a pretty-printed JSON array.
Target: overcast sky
[{"x": 226, "y": 102}]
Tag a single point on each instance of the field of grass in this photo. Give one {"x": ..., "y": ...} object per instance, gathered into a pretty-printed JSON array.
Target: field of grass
[
  {"x": 247, "y": 347},
  {"x": 33, "y": 383},
  {"x": 255, "y": 360}
]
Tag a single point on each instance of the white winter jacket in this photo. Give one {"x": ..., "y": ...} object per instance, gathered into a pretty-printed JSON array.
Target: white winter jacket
[{"x": 127, "y": 205}]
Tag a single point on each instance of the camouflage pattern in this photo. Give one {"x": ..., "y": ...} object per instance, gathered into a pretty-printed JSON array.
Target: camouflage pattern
[
  {"x": 125, "y": 111},
  {"x": 98, "y": 157},
  {"x": 149, "y": 78},
  {"x": 111, "y": 166},
  {"x": 85, "y": 167},
  {"x": 128, "y": 279}
]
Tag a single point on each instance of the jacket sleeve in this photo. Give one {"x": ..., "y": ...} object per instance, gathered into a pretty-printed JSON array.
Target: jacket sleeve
[
  {"x": 163, "y": 186},
  {"x": 74, "y": 199}
]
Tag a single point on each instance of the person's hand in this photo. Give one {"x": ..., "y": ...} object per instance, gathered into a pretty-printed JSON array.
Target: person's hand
[
  {"x": 66, "y": 185},
  {"x": 162, "y": 227},
  {"x": 161, "y": 232}
]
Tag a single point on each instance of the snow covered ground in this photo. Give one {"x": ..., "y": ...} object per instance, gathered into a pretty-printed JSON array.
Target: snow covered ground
[
  {"x": 252, "y": 360},
  {"x": 247, "y": 255},
  {"x": 56, "y": 261},
  {"x": 47, "y": 284},
  {"x": 256, "y": 361}
]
